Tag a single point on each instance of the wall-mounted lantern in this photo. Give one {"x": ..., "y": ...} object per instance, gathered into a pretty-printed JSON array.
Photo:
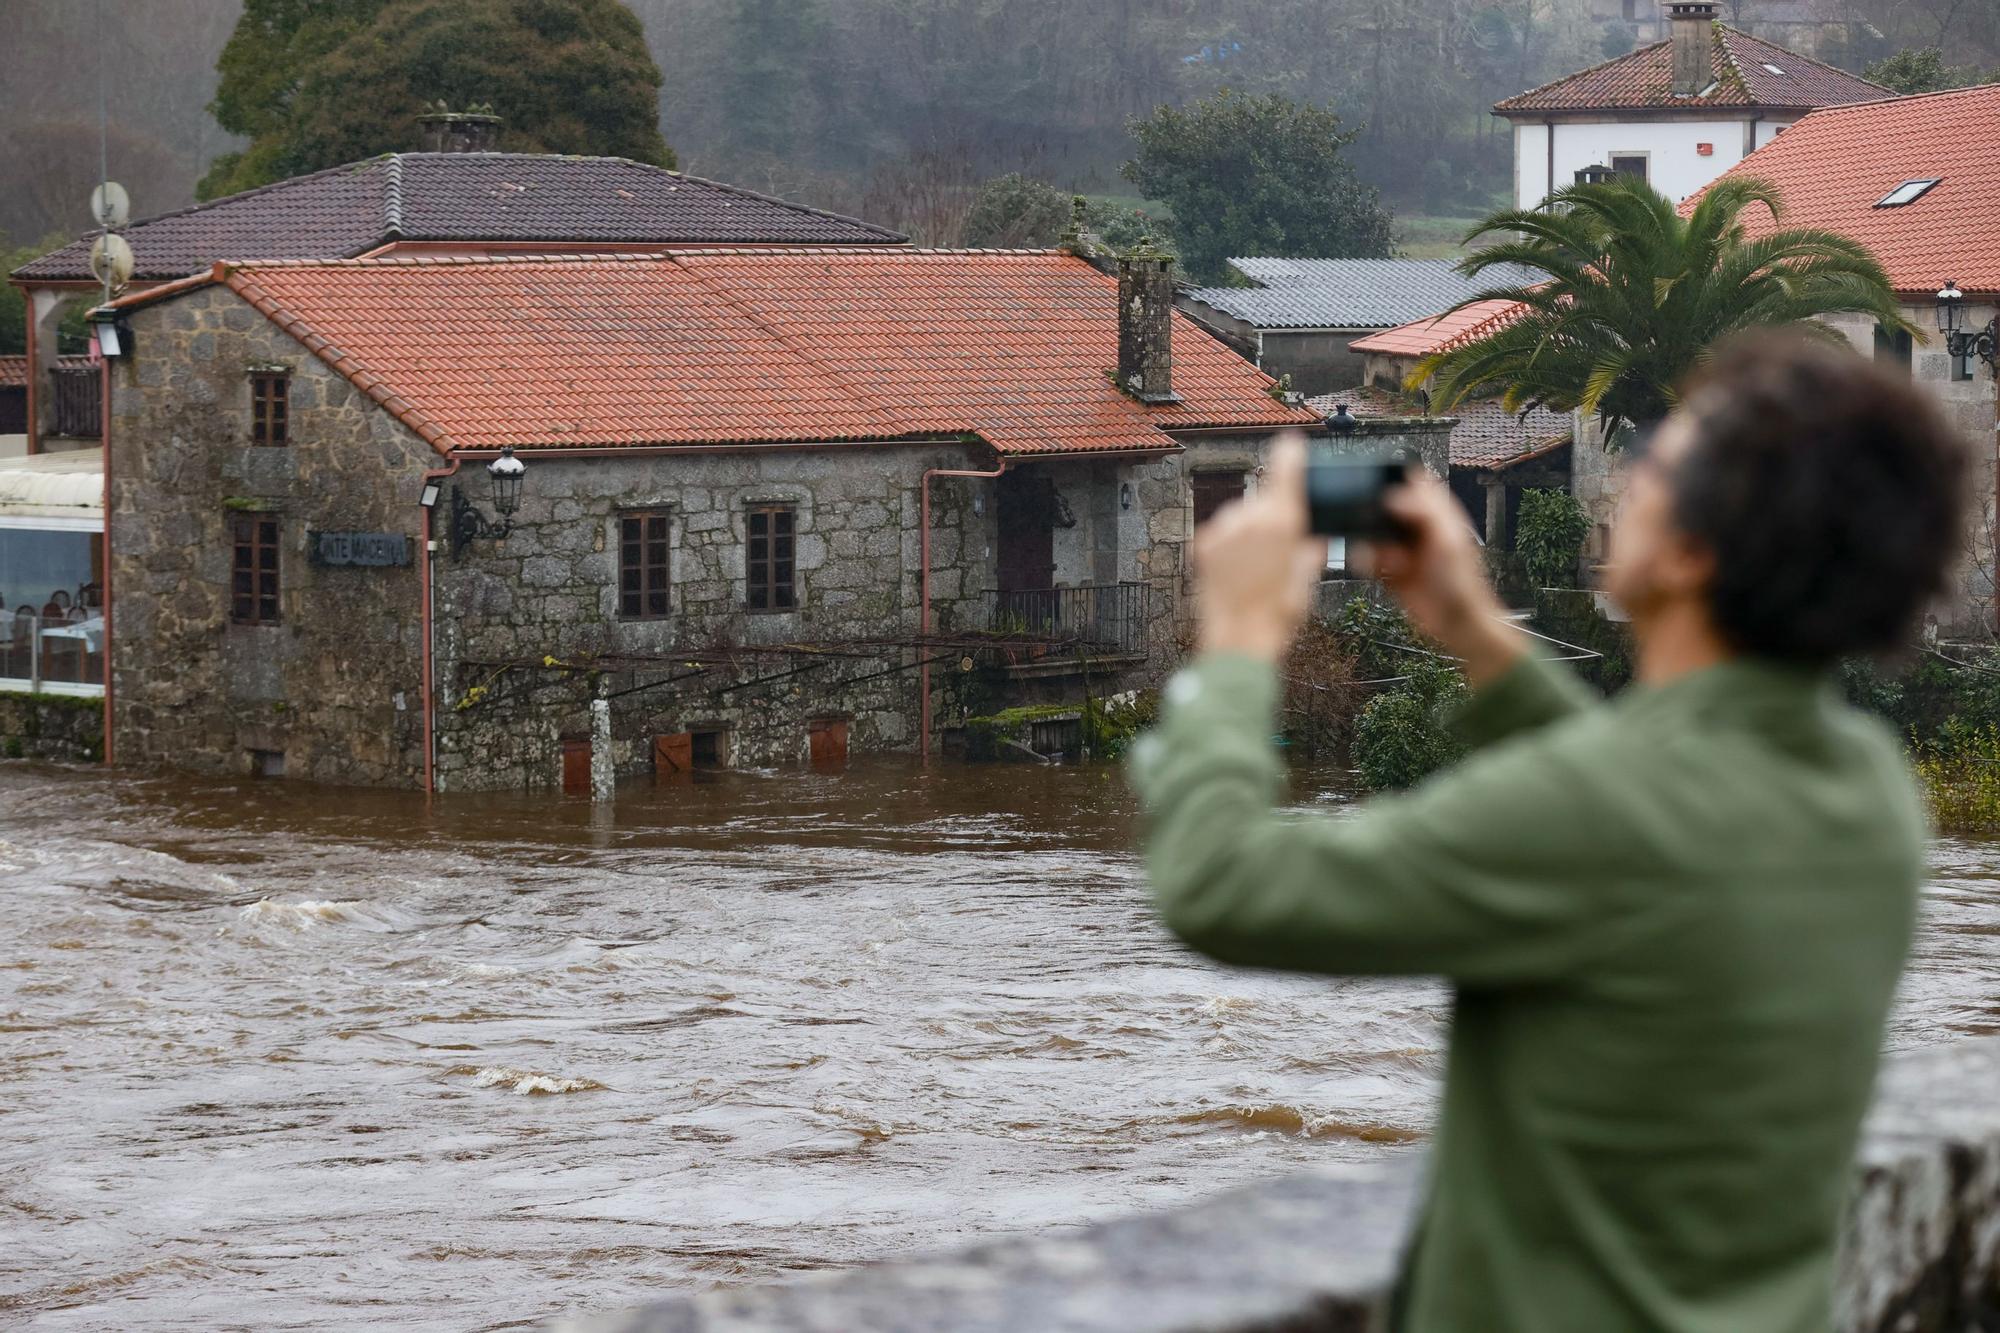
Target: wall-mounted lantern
[
  {"x": 114, "y": 337},
  {"x": 1960, "y": 341},
  {"x": 1124, "y": 495},
  {"x": 505, "y": 475}
]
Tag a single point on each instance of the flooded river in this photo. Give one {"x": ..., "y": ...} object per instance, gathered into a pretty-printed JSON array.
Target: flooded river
[{"x": 280, "y": 1057}]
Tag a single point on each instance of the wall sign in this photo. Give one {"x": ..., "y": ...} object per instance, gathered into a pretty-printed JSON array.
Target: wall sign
[{"x": 358, "y": 548}]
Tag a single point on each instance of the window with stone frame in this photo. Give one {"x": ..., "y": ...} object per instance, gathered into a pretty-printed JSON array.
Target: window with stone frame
[
  {"x": 270, "y": 407},
  {"x": 253, "y": 576},
  {"x": 770, "y": 567},
  {"x": 645, "y": 579}
]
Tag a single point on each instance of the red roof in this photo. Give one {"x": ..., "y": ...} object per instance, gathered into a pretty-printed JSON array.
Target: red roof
[
  {"x": 1425, "y": 337},
  {"x": 14, "y": 369},
  {"x": 745, "y": 346},
  {"x": 1748, "y": 73},
  {"x": 1835, "y": 166}
]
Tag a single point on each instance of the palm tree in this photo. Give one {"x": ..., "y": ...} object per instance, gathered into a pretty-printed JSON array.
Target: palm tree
[{"x": 1637, "y": 294}]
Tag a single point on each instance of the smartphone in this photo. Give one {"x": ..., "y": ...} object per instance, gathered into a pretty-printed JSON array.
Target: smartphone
[{"x": 1344, "y": 494}]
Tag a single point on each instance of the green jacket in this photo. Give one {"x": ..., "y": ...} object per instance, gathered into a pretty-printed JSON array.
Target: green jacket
[{"x": 1674, "y": 923}]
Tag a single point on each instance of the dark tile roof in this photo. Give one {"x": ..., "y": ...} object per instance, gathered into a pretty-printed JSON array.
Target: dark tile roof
[
  {"x": 1749, "y": 72},
  {"x": 344, "y": 211}
]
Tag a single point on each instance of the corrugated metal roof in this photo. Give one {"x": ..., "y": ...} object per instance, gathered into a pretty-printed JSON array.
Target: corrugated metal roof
[
  {"x": 1351, "y": 293},
  {"x": 64, "y": 485}
]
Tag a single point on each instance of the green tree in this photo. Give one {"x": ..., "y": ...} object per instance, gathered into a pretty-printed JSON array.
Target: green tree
[
  {"x": 1921, "y": 69},
  {"x": 1404, "y": 734},
  {"x": 1549, "y": 533},
  {"x": 315, "y": 83},
  {"x": 1247, "y": 175},
  {"x": 1013, "y": 212},
  {"x": 1637, "y": 295}
]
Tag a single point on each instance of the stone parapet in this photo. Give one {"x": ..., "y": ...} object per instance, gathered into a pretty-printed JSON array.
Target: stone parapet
[{"x": 1317, "y": 1253}]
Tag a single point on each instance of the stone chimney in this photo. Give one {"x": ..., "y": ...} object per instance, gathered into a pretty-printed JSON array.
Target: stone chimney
[
  {"x": 1146, "y": 324},
  {"x": 473, "y": 130},
  {"x": 1693, "y": 25}
]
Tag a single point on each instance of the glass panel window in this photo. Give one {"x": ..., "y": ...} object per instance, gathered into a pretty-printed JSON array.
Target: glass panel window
[
  {"x": 270, "y": 408},
  {"x": 253, "y": 574},
  {"x": 770, "y": 567},
  {"x": 1907, "y": 193},
  {"x": 643, "y": 573},
  {"x": 55, "y": 571},
  {"x": 1961, "y": 366},
  {"x": 1629, "y": 165},
  {"x": 1894, "y": 348}
]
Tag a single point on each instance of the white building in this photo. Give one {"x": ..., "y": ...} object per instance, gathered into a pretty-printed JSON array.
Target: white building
[{"x": 1679, "y": 112}]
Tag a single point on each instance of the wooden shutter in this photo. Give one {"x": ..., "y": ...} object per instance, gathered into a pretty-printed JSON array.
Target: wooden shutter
[
  {"x": 827, "y": 738},
  {"x": 576, "y": 767},
  {"x": 673, "y": 756}
]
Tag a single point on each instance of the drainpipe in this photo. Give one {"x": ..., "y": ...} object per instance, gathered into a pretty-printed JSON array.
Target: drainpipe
[
  {"x": 424, "y": 577},
  {"x": 924, "y": 595},
  {"x": 104, "y": 433}
]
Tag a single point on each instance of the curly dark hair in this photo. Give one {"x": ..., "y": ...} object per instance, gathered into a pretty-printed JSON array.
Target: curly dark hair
[{"x": 1831, "y": 491}]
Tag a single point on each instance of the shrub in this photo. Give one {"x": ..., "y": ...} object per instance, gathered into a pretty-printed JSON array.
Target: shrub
[
  {"x": 1960, "y": 772},
  {"x": 1013, "y": 212},
  {"x": 1548, "y": 536},
  {"x": 1403, "y": 735}
]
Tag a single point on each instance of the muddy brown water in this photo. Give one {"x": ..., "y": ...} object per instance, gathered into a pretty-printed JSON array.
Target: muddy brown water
[{"x": 275, "y": 1056}]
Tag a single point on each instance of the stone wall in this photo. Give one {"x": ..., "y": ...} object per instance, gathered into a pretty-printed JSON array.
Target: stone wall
[
  {"x": 550, "y": 589},
  {"x": 51, "y": 726},
  {"x": 1317, "y": 1253},
  {"x": 334, "y": 688}
]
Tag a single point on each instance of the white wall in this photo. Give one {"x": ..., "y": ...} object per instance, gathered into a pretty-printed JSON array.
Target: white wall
[{"x": 1675, "y": 165}]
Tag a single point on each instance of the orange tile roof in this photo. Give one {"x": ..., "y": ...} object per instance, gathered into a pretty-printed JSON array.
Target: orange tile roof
[
  {"x": 1834, "y": 166},
  {"x": 1425, "y": 337},
  {"x": 747, "y": 346},
  {"x": 1748, "y": 73}
]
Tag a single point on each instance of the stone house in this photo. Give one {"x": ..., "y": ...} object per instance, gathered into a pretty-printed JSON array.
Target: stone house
[
  {"x": 776, "y": 502},
  {"x": 453, "y": 198},
  {"x": 1917, "y": 181},
  {"x": 1677, "y": 112}
]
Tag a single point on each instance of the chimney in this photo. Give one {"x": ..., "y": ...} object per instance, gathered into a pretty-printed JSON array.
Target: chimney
[
  {"x": 473, "y": 130},
  {"x": 1146, "y": 324},
  {"x": 1693, "y": 26}
]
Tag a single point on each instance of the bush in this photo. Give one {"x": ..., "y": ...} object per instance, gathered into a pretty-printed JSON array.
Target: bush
[
  {"x": 1548, "y": 537},
  {"x": 1403, "y": 736},
  {"x": 1960, "y": 771}
]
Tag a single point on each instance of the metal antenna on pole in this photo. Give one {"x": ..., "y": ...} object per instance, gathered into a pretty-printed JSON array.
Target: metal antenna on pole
[{"x": 110, "y": 255}]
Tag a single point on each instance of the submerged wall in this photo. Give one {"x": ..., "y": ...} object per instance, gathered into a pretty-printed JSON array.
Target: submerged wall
[
  {"x": 1316, "y": 1253},
  {"x": 51, "y": 726}
]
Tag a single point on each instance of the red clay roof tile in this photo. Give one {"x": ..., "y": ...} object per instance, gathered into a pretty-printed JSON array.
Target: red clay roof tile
[
  {"x": 745, "y": 346},
  {"x": 1835, "y": 166},
  {"x": 1744, "y": 77}
]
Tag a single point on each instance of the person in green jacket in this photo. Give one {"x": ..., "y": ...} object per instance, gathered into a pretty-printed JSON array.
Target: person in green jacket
[{"x": 1673, "y": 922}]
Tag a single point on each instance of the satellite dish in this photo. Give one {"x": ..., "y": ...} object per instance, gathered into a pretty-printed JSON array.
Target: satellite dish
[
  {"x": 111, "y": 260},
  {"x": 110, "y": 205}
]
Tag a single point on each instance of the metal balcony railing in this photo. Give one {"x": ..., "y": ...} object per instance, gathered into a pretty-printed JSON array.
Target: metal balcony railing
[{"x": 1107, "y": 616}]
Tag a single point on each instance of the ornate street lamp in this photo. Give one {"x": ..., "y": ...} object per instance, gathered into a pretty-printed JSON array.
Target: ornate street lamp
[
  {"x": 505, "y": 474},
  {"x": 1341, "y": 425},
  {"x": 1960, "y": 341}
]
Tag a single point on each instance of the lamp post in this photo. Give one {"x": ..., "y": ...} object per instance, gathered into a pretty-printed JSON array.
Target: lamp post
[
  {"x": 1341, "y": 425},
  {"x": 505, "y": 475},
  {"x": 1960, "y": 341}
]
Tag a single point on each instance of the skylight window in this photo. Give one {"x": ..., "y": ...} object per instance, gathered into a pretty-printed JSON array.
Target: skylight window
[
  {"x": 1907, "y": 193},
  {"x": 1773, "y": 68}
]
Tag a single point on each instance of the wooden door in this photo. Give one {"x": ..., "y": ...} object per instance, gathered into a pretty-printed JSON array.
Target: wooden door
[
  {"x": 673, "y": 756},
  {"x": 827, "y": 737},
  {"x": 576, "y": 767},
  {"x": 1025, "y": 515}
]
